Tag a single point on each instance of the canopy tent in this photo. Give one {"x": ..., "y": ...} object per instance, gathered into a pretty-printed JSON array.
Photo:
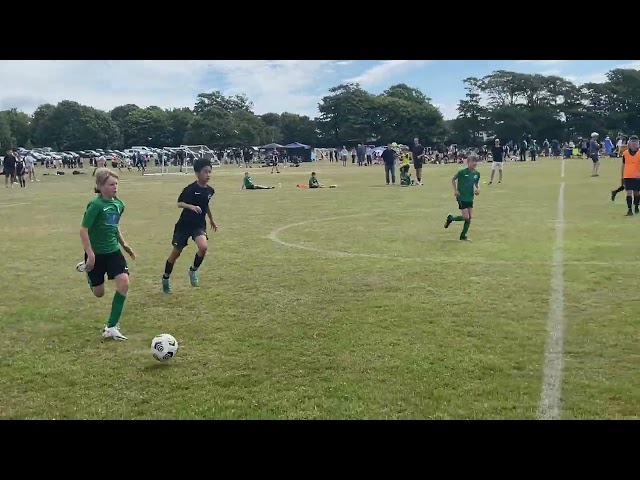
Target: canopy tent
[
  {"x": 271, "y": 146},
  {"x": 300, "y": 150},
  {"x": 294, "y": 145}
]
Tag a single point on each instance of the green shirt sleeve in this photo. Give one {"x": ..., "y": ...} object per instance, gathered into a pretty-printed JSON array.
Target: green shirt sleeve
[{"x": 91, "y": 214}]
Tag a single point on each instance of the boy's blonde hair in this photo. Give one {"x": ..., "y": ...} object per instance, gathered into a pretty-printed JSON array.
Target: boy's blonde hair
[{"x": 102, "y": 175}]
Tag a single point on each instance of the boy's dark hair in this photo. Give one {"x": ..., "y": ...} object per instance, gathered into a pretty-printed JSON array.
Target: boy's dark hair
[
  {"x": 200, "y": 163},
  {"x": 313, "y": 173}
]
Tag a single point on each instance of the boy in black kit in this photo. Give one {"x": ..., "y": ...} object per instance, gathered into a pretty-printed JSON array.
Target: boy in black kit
[{"x": 194, "y": 201}]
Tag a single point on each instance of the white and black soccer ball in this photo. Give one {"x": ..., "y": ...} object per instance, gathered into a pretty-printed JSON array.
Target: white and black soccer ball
[{"x": 164, "y": 347}]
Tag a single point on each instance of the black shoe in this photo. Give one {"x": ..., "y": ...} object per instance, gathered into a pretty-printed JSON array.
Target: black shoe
[
  {"x": 613, "y": 195},
  {"x": 449, "y": 221},
  {"x": 629, "y": 213},
  {"x": 637, "y": 209},
  {"x": 465, "y": 239}
]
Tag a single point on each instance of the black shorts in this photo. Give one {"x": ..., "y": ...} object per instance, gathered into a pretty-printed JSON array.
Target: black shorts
[
  {"x": 594, "y": 158},
  {"x": 9, "y": 172},
  {"x": 632, "y": 184},
  {"x": 463, "y": 205},
  {"x": 111, "y": 264},
  {"x": 417, "y": 164},
  {"x": 181, "y": 236}
]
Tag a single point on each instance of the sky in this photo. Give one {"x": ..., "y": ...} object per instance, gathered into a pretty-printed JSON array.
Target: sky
[{"x": 294, "y": 86}]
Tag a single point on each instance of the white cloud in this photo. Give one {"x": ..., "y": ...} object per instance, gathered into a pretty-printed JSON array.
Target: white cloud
[
  {"x": 597, "y": 77},
  {"x": 386, "y": 70},
  {"x": 273, "y": 85},
  {"x": 344, "y": 62},
  {"x": 449, "y": 110},
  {"x": 601, "y": 76}
]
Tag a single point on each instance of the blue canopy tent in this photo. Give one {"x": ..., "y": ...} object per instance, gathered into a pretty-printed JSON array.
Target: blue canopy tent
[
  {"x": 297, "y": 149},
  {"x": 297, "y": 145}
]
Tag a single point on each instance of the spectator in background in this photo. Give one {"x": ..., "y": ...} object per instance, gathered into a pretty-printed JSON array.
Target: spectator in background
[
  {"x": 594, "y": 150},
  {"x": 389, "y": 158},
  {"x": 360, "y": 153},
  {"x": 9, "y": 168}
]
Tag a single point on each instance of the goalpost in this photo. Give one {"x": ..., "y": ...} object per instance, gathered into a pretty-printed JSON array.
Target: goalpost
[{"x": 167, "y": 167}]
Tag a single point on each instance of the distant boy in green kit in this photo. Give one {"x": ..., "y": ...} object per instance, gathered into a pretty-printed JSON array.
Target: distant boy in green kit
[
  {"x": 314, "y": 183},
  {"x": 247, "y": 184},
  {"x": 465, "y": 187}
]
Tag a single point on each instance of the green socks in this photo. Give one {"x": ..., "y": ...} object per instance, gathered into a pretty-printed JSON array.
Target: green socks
[
  {"x": 465, "y": 229},
  {"x": 459, "y": 218},
  {"x": 116, "y": 309}
]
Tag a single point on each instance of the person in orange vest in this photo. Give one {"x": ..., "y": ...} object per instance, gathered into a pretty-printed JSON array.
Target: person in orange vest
[{"x": 631, "y": 174}]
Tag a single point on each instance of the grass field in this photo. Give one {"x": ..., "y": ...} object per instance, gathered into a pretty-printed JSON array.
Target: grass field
[{"x": 347, "y": 303}]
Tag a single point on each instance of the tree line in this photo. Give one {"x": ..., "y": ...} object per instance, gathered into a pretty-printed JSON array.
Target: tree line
[{"x": 505, "y": 104}]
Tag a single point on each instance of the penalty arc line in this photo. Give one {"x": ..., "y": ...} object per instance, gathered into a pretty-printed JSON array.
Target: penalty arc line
[
  {"x": 13, "y": 205},
  {"x": 549, "y": 407},
  {"x": 274, "y": 237}
]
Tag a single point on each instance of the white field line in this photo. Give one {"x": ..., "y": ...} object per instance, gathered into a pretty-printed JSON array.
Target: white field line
[{"x": 550, "y": 405}]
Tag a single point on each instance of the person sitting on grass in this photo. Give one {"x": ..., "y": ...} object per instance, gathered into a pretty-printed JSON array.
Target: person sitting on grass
[
  {"x": 405, "y": 177},
  {"x": 247, "y": 183},
  {"x": 405, "y": 165},
  {"x": 313, "y": 181}
]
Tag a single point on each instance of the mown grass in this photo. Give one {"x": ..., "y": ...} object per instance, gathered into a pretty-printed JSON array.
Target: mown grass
[{"x": 368, "y": 309}]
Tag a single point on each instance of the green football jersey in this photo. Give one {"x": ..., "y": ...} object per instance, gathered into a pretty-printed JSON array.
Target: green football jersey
[
  {"x": 467, "y": 180},
  {"x": 102, "y": 218}
]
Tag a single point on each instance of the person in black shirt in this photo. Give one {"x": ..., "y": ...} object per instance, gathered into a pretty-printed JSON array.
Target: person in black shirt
[
  {"x": 20, "y": 172},
  {"x": 498, "y": 161},
  {"x": 389, "y": 158},
  {"x": 275, "y": 159},
  {"x": 417, "y": 151},
  {"x": 248, "y": 157},
  {"x": 194, "y": 202},
  {"x": 9, "y": 169}
]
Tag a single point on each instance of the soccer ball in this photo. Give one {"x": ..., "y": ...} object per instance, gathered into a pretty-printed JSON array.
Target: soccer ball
[{"x": 164, "y": 347}]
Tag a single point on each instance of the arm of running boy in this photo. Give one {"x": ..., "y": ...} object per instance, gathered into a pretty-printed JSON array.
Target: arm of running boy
[
  {"x": 124, "y": 245},
  {"x": 86, "y": 245},
  {"x": 88, "y": 220},
  {"x": 188, "y": 206},
  {"x": 214, "y": 227},
  {"x": 187, "y": 194},
  {"x": 454, "y": 182}
]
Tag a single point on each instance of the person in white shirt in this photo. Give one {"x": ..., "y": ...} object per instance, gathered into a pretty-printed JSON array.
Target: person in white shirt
[
  {"x": 30, "y": 165},
  {"x": 100, "y": 163},
  {"x": 343, "y": 156}
]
